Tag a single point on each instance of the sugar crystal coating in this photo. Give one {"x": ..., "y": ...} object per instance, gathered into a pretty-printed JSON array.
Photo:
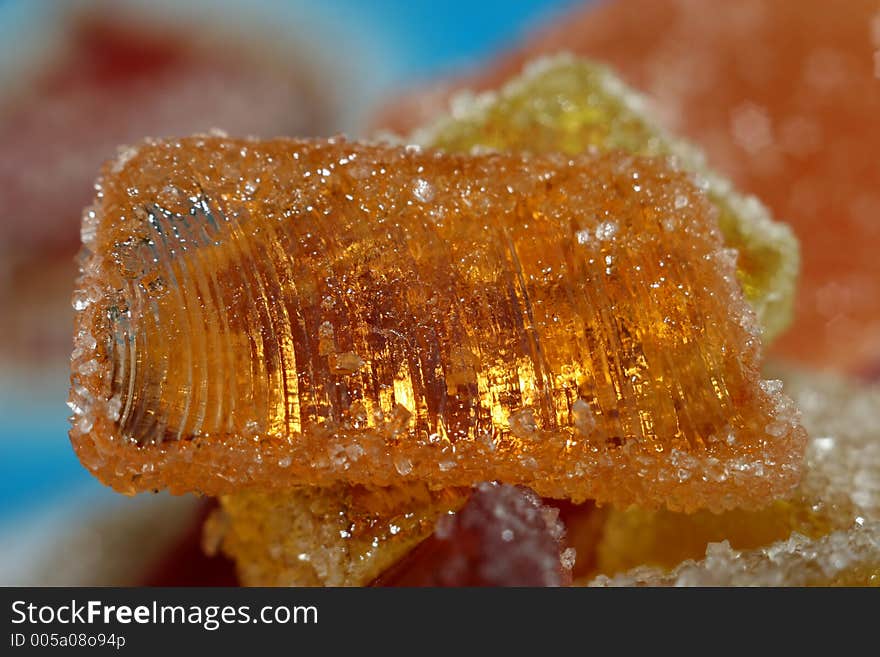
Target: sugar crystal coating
[
  {"x": 842, "y": 558},
  {"x": 337, "y": 536},
  {"x": 503, "y": 536},
  {"x": 347, "y": 535},
  {"x": 826, "y": 532},
  {"x": 270, "y": 314},
  {"x": 571, "y": 105}
]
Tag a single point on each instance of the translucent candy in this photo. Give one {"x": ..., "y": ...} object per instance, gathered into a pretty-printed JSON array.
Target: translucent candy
[
  {"x": 571, "y": 105},
  {"x": 337, "y": 536},
  {"x": 272, "y": 314},
  {"x": 826, "y": 532}
]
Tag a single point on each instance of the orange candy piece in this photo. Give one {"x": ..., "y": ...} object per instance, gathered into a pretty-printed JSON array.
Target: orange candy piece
[{"x": 270, "y": 314}]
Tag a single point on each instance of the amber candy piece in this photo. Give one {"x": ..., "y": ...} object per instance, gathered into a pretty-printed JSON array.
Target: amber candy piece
[{"x": 268, "y": 314}]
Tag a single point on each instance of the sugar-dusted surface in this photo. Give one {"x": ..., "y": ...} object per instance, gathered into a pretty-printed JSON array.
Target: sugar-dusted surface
[
  {"x": 571, "y": 105},
  {"x": 347, "y": 535},
  {"x": 842, "y": 558},
  {"x": 502, "y": 536},
  {"x": 266, "y": 314},
  {"x": 337, "y": 536},
  {"x": 834, "y": 513}
]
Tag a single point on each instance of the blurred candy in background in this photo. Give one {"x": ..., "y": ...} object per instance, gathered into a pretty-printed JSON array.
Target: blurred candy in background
[
  {"x": 80, "y": 79},
  {"x": 783, "y": 96}
]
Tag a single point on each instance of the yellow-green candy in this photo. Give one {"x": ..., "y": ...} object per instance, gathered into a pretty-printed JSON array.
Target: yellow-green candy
[{"x": 569, "y": 105}]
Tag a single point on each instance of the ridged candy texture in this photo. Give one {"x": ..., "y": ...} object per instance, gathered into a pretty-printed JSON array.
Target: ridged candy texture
[{"x": 267, "y": 314}]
